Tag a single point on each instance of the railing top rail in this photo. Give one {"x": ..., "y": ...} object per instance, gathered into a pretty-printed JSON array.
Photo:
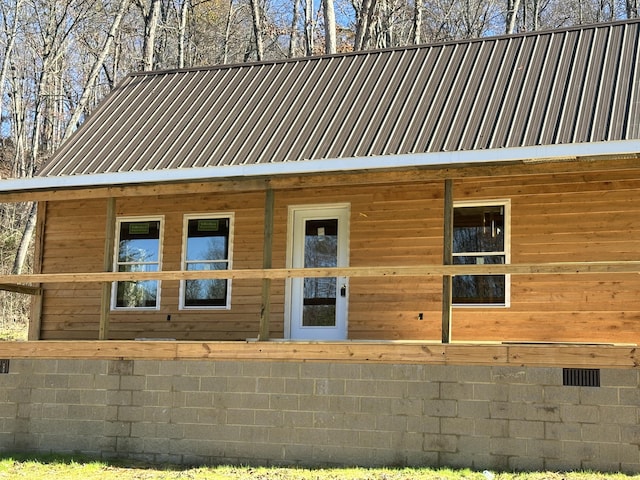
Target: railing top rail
[{"x": 631, "y": 266}]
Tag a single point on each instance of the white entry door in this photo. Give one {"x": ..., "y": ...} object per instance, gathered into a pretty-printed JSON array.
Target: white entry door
[{"x": 317, "y": 307}]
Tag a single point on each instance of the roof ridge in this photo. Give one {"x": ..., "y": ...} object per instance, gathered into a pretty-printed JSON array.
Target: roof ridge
[{"x": 405, "y": 48}]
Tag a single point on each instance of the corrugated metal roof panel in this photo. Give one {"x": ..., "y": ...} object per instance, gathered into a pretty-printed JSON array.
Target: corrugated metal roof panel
[{"x": 573, "y": 85}]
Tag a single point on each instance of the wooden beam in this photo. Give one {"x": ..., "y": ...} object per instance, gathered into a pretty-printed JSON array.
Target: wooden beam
[
  {"x": 152, "y": 189},
  {"x": 392, "y": 352},
  {"x": 109, "y": 243},
  {"x": 439, "y": 173},
  {"x": 35, "y": 319},
  {"x": 316, "y": 180},
  {"x": 24, "y": 289},
  {"x": 267, "y": 249},
  {"x": 447, "y": 259},
  {"x": 555, "y": 268}
]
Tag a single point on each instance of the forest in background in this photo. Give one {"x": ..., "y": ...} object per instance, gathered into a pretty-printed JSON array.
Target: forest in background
[{"x": 59, "y": 58}]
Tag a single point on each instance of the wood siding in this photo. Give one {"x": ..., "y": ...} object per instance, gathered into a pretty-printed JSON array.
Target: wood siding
[{"x": 554, "y": 217}]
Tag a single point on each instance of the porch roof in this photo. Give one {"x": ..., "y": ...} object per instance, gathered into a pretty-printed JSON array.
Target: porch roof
[{"x": 552, "y": 95}]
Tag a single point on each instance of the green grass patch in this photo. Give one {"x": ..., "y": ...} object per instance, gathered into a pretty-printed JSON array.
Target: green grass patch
[{"x": 49, "y": 467}]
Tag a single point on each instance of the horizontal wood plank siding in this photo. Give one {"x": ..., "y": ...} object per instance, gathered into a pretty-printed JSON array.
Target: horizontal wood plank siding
[
  {"x": 564, "y": 217},
  {"x": 584, "y": 216},
  {"x": 72, "y": 311}
]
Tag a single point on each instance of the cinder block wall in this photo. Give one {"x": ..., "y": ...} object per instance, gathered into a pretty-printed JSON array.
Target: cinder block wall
[{"x": 500, "y": 418}]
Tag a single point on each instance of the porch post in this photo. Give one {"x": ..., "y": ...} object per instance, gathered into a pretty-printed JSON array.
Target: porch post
[
  {"x": 447, "y": 259},
  {"x": 109, "y": 242},
  {"x": 35, "y": 320},
  {"x": 267, "y": 249}
]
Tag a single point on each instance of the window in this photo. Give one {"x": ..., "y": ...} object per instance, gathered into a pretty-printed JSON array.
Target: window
[
  {"x": 138, "y": 250},
  {"x": 481, "y": 236},
  {"x": 206, "y": 246}
]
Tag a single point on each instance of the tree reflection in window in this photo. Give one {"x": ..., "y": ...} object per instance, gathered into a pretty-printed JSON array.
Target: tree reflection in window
[
  {"x": 207, "y": 248},
  {"x": 320, "y": 250},
  {"x": 138, "y": 251},
  {"x": 479, "y": 238}
]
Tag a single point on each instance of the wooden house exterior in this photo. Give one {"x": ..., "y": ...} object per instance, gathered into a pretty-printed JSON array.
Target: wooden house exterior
[{"x": 475, "y": 191}]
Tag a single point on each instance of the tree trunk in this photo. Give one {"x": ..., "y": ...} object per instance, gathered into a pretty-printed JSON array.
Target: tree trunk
[
  {"x": 97, "y": 66},
  {"x": 182, "y": 29},
  {"x": 512, "y": 13},
  {"x": 18, "y": 132},
  {"x": 227, "y": 32},
  {"x": 329, "y": 26},
  {"x": 364, "y": 21},
  {"x": 417, "y": 22},
  {"x": 308, "y": 27},
  {"x": 293, "y": 32},
  {"x": 27, "y": 234},
  {"x": 151, "y": 26},
  {"x": 10, "y": 33},
  {"x": 257, "y": 28}
]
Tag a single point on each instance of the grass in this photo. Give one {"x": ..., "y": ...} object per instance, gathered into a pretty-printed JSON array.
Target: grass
[
  {"x": 74, "y": 468},
  {"x": 13, "y": 332}
]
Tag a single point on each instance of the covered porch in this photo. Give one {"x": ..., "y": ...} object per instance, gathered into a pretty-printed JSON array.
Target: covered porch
[{"x": 448, "y": 185}]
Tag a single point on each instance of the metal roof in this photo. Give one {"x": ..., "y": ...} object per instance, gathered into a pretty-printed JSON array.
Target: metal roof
[{"x": 573, "y": 86}]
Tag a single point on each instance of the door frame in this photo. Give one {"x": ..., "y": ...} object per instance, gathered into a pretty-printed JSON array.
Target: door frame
[{"x": 341, "y": 211}]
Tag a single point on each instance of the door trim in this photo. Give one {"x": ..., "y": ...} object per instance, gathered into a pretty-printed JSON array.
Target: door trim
[{"x": 312, "y": 208}]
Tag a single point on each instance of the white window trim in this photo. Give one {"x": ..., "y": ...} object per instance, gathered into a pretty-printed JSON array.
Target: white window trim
[
  {"x": 506, "y": 203},
  {"x": 183, "y": 254},
  {"x": 116, "y": 251}
]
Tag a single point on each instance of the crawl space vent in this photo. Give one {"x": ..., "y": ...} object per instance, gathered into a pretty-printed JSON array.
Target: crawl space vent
[
  {"x": 581, "y": 377},
  {"x": 4, "y": 365}
]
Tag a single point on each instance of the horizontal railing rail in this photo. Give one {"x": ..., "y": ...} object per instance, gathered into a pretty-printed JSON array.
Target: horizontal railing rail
[{"x": 20, "y": 282}]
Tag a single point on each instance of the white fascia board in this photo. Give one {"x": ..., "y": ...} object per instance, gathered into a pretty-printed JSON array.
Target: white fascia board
[{"x": 441, "y": 159}]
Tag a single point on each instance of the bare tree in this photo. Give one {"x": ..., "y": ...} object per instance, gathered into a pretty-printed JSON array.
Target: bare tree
[
  {"x": 512, "y": 12},
  {"x": 97, "y": 67},
  {"x": 309, "y": 27},
  {"x": 364, "y": 20},
  {"x": 256, "y": 12},
  {"x": 151, "y": 16},
  {"x": 227, "y": 32},
  {"x": 182, "y": 32},
  {"x": 53, "y": 21},
  {"x": 417, "y": 22},
  {"x": 329, "y": 26},
  {"x": 10, "y": 21},
  {"x": 293, "y": 30}
]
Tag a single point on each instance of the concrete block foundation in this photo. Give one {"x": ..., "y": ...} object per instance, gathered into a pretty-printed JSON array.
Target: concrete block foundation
[{"x": 296, "y": 413}]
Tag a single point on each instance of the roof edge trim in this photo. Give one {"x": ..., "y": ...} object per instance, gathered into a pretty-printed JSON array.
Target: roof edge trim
[{"x": 536, "y": 154}]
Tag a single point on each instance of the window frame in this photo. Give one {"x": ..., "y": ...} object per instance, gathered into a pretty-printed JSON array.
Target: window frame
[
  {"x": 506, "y": 204},
  {"x": 183, "y": 258},
  {"x": 117, "y": 263}
]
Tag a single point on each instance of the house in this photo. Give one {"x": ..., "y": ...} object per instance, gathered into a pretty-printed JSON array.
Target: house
[
  {"x": 480, "y": 191},
  {"x": 349, "y": 154}
]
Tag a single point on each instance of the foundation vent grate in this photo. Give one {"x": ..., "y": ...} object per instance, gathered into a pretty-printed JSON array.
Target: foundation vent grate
[
  {"x": 581, "y": 377},
  {"x": 4, "y": 365}
]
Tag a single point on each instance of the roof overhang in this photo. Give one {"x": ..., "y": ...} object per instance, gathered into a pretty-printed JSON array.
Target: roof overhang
[{"x": 537, "y": 154}]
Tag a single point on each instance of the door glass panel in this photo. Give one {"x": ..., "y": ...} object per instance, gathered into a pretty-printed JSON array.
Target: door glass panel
[{"x": 320, "y": 250}]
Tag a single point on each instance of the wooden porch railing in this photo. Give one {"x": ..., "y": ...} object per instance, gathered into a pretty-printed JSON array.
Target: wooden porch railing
[
  {"x": 21, "y": 283},
  {"x": 8, "y": 282}
]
